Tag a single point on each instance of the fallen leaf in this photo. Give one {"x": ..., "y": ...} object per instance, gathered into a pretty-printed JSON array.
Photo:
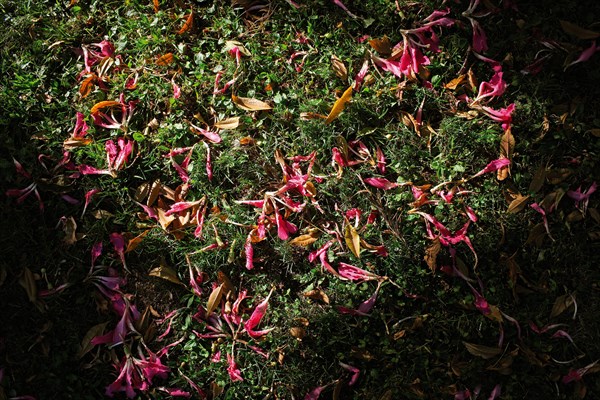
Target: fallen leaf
[
  {"x": 538, "y": 179},
  {"x": 383, "y": 46},
  {"x": 339, "y": 68},
  {"x": 297, "y": 332},
  {"x": 432, "y": 252},
  {"x": 165, "y": 272},
  {"x": 303, "y": 240},
  {"x": 594, "y": 132},
  {"x": 86, "y": 345},
  {"x": 454, "y": 83},
  {"x": 70, "y": 227},
  {"x": 228, "y": 123},
  {"x": 484, "y": 352},
  {"x": 317, "y": 294},
  {"x": 214, "y": 299},
  {"x": 226, "y": 282},
  {"x": 578, "y": 31},
  {"x": 305, "y": 116},
  {"x": 189, "y": 23},
  {"x": 27, "y": 281},
  {"x": 141, "y": 193},
  {"x": 165, "y": 59},
  {"x": 518, "y": 204},
  {"x": 155, "y": 190},
  {"x": 104, "y": 104},
  {"x": 557, "y": 175},
  {"x": 135, "y": 242},
  {"x": 155, "y": 3},
  {"x": 87, "y": 85},
  {"x": 339, "y": 106},
  {"x": 352, "y": 239},
  {"x": 249, "y": 104},
  {"x": 536, "y": 235},
  {"x": 561, "y": 304}
]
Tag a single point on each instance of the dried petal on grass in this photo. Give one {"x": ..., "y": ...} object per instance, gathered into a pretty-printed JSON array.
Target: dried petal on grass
[
  {"x": 518, "y": 204},
  {"x": 352, "y": 239},
  {"x": 561, "y": 304},
  {"x": 104, "y": 104},
  {"x": 228, "y": 123},
  {"x": 339, "y": 68},
  {"x": 303, "y": 240},
  {"x": 432, "y": 252},
  {"x": 339, "y": 106},
  {"x": 249, "y": 104}
]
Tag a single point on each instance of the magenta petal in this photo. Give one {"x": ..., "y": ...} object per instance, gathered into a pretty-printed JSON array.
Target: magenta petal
[
  {"x": 314, "y": 394},
  {"x": 249, "y": 253},
  {"x": 493, "y": 166},
  {"x": 234, "y": 371},
  {"x": 258, "y": 313},
  {"x": 381, "y": 183},
  {"x": 354, "y": 273},
  {"x": 355, "y": 372}
]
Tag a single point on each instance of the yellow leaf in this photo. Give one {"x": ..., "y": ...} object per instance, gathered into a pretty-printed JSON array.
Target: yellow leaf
[
  {"x": 214, "y": 299},
  {"x": 339, "y": 105},
  {"x": 484, "y": 352},
  {"x": 352, "y": 240},
  {"x": 72, "y": 143},
  {"x": 189, "y": 23},
  {"x": 165, "y": 59},
  {"x": 104, "y": 104},
  {"x": 165, "y": 272},
  {"x": 577, "y": 31},
  {"x": 228, "y": 123},
  {"x": 303, "y": 240},
  {"x": 249, "y": 104}
]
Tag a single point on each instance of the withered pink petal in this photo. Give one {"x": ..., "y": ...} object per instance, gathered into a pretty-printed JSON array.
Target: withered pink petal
[
  {"x": 343, "y": 7},
  {"x": 381, "y": 183},
  {"x": 586, "y": 54},
  {"x": 118, "y": 242},
  {"x": 234, "y": 371},
  {"x": 493, "y": 166},
  {"x": 314, "y": 394},
  {"x": 258, "y": 313},
  {"x": 355, "y": 372},
  {"x": 354, "y": 273},
  {"x": 479, "y": 37},
  {"x": 89, "y": 170},
  {"x": 249, "y": 253},
  {"x": 96, "y": 252},
  {"x": 380, "y": 161}
]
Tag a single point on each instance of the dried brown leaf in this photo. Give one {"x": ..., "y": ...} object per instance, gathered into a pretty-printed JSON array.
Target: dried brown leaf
[
  {"x": 454, "y": 83},
  {"x": 557, "y": 175},
  {"x": 339, "y": 68},
  {"x": 383, "y": 46},
  {"x": 577, "y": 31},
  {"x": 165, "y": 272},
  {"x": 297, "y": 332},
  {"x": 561, "y": 304},
  {"x": 155, "y": 190},
  {"x": 155, "y": 3},
  {"x": 214, "y": 299},
  {"x": 228, "y": 123},
  {"x": 86, "y": 346},
  {"x": 536, "y": 235},
  {"x": 305, "y": 116},
  {"x": 339, "y": 106},
  {"x": 303, "y": 240},
  {"x": 538, "y": 179},
  {"x": 249, "y": 104},
  {"x": 135, "y": 242},
  {"x": 226, "y": 282},
  {"x": 142, "y": 191},
  {"x": 484, "y": 352},
  {"x": 432, "y": 252},
  {"x": 87, "y": 85},
  {"x": 70, "y": 228},
  {"x": 189, "y": 23},
  {"x": 518, "y": 204},
  {"x": 165, "y": 59},
  {"x": 27, "y": 281},
  {"x": 317, "y": 294}
]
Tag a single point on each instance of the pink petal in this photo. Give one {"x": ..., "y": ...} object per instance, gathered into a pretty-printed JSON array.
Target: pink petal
[
  {"x": 89, "y": 170},
  {"x": 380, "y": 161},
  {"x": 257, "y": 314},
  {"x": 314, "y": 394},
  {"x": 471, "y": 213},
  {"x": 586, "y": 54},
  {"x": 354, "y": 273},
  {"x": 249, "y": 253},
  {"x": 81, "y": 128},
  {"x": 381, "y": 183},
  {"x": 176, "y": 90},
  {"x": 493, "y": 166},
  {"x": 182, "y": 206},
  {"x": 495, "y": 392},
  {"x": 96, "y": 252},
  {"x": 118, "y": 242},
  {"x": 355, "y": 372},
  {"x": 360, "y": 77},
  {"x": 234, "y": 372},
  {"x": 479, "y": 37}
]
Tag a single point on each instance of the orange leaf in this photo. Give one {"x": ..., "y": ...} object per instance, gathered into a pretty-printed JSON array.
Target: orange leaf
[
  {"x": 249, "y": 104},
  {"x": 454, "y": 83},
  {"x": 135, "y": 242},
  {"x": 339, "y": 105},
  {"x": 104, "y": 104},
  {"x": 383, "y": 46},
  {"x": 189, "y": 23},
  {"x": 87, "y": 85},
  {"x": 303, "y": 240},
  {"x": 155, "y": 2},
  {"x": 165, "y": 59}
]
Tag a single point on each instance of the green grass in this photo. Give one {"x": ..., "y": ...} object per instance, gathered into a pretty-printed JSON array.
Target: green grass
[{"x": 411, "y": 344}]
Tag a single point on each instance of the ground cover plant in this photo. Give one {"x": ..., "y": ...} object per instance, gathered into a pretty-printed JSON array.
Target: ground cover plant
[{"x": 318, "y": 199}]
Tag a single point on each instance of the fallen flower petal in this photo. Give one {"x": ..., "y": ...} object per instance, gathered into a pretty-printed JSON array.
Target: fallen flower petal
[
  {"x": 493, "y": 166},
  {"x": 257, "y": 316},
  {"x": 381, "y": 183},
  {"x": 355, "y": 372},
  {"x": 314, "y": 394},
  {"x": 232, "y": 368},
  {"x": 354, "y": 273}
]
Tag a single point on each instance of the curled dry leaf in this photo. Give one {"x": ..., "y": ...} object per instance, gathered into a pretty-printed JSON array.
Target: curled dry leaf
[
  {"x": 297, "y": 332},
  {"x": 228, "y": 123},
  {"x": 484, "y": 352},
  {"x": 104, "y": 104},
  {"x": 317, "y": 294},
  {"x": 383, "y": 46},
  {"x": 70, "y": 228},
  {"x": 304, "y": 240},
  {"x": 27, "y": 281},
  {"x": 577, "y": 31},
  {"x": 87, "y": 85},
  {"x": 454, "y": 83},
  {"x": 339, "y": 106},
  {"x": 432, "y": 252},
  {"x": 561, "y": 304},
  {"x": 305, "y": 116},
  {"x": 339, "y": 68},
  {"x": 135, "y": 242},
  {"x": 155, "y": 3},
  {"x": 227, "y": 285},
  {"x": 538, "y": 179},
  {"x": 249, "y": 104}
]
